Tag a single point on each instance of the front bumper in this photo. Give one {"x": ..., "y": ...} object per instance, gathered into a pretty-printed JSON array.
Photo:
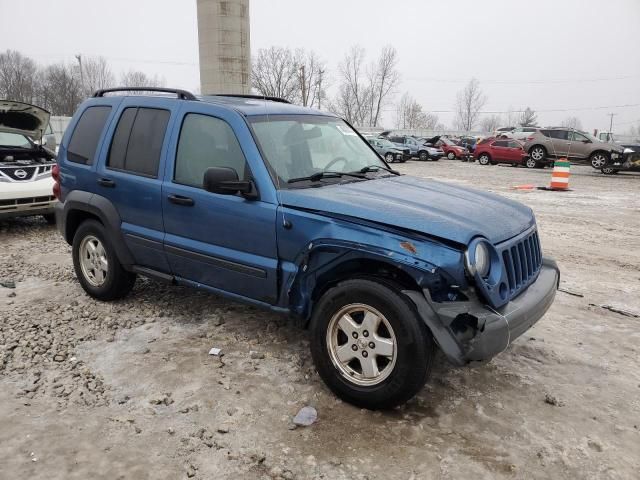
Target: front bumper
[
  {"x": 472, "y": 332},
  {"x": 19, "y": 199}
]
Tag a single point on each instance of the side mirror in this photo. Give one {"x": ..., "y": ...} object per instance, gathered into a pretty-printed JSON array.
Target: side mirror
[{"x": 224, "y": 181}]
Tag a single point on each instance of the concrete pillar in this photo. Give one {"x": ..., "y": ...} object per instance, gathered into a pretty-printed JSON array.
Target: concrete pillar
[{"x": 225, "y": 50}]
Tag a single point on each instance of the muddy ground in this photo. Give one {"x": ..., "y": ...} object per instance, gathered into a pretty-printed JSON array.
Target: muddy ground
[{"x": 128, "y": 390}]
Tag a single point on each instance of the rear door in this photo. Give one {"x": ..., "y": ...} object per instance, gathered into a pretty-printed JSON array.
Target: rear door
[
  {"x": 558, "y": 142},
  {"x": 227, "y": 242},
  {"x": 130, "y": 174}
]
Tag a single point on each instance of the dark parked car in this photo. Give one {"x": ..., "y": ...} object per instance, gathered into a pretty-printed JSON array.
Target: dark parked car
[
  {"x": 289, "y": 209},
  {"x": 630, "y": 162},
  {"x": 389, "y": 151},
  {"x": 503, "y": 151}
]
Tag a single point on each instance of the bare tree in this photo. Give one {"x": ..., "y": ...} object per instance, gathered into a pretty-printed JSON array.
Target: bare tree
[
  {"x": 410, "y": 115},
  {"x": 275, "y": 73},
  {"x": 18, "y": 77},
  {"x": 61, "y": 89},
  {"x": 354, "y": 94},
  {"x": 528, "y": 118},
  {"x": 469, "y": 102},
  {"x": 383, "y": 79},
  {"x": 490, "y": 123},
  {"x": 311, "y": 80},
  {"x": 136, "y": 78},
  {"x": 572, "y": 122},
  {"x": 96, "y": 74}
]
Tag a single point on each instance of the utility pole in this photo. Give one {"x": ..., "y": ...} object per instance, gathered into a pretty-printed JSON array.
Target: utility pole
[
  {"x": 611, "y": 123},
  {"x": 320, "y": 74},
  {"x": 304, "y": 85},
  {"x": 79, "y": 58}
]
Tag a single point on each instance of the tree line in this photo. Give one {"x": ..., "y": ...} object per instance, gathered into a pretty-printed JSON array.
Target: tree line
[
  {"x": 363, "y": 89},
  {"x": 61, "y": 87}
]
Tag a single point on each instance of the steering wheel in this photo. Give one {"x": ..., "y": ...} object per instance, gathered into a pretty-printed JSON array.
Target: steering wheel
[{"x": 334, "y": 161}]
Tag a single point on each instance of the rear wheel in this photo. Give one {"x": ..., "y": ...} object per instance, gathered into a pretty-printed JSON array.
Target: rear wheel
[
  {"x": 50, "y": 218},
  {"x": 484, "y": 159},
  {"x": 97, "y": 267},
  {"x": 369, "y": 345},
  {"x": 389, "y": 157},
  {"x": 599, "y": 160}
]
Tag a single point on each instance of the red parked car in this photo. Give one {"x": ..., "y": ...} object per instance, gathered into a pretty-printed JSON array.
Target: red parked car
[
  {"x": 496, "y": 150},
  {"x": 449, "y": 147}
]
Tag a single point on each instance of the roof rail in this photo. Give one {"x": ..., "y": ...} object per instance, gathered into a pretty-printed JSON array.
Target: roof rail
[
  {"x": 181, "y": 94},
  {"x": 255, "y": 97}
]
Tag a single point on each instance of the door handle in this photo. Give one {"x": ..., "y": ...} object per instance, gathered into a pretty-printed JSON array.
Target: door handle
[
  {"x": 107, "y": 182},
  {"x": 180, "y": 200}
]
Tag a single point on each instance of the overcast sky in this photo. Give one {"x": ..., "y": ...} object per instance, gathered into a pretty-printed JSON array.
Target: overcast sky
[{"x": 547, "y": 54}]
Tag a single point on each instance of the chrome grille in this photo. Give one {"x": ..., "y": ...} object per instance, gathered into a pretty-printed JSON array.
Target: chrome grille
[{"x": 522, "y": 261}]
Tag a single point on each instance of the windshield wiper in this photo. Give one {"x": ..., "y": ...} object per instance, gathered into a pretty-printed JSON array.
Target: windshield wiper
[
  {"x": 316, "y": 177},
  {"x": 375, "y": 168}
]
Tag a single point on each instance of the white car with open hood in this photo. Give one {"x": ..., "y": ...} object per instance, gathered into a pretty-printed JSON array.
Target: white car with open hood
[{"x": 27, "y": 157}]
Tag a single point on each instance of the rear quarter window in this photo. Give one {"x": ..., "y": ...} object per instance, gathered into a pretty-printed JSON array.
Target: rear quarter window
[
  {"x": 137, "y": 141},
  {"x": 85, "y": 137}
]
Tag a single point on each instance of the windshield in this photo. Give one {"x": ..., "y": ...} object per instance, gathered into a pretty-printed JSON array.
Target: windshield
[
  {"x": 14, "y": 140},
  {"x": 297, "y": 146}
]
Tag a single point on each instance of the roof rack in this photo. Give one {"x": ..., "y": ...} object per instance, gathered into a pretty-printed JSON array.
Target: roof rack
[
  {"x": 255, "y": 97},
  {"x": 181, "y": 94}
]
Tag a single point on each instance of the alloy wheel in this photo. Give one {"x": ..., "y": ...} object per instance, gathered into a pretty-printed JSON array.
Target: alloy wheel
[
  {"x": 598, "y": 160},
  {"x": 537, "y": 154},
  {"x": 361, "y": 344},
  {"x": 93, "y": 260}
]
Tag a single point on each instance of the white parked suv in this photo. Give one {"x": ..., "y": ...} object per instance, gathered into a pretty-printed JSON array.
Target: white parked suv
[
  {"x": 26, "y": 186},
  {"x": 521, "y": 133}
]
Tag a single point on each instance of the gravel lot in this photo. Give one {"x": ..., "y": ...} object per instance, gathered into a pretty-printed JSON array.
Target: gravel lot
[{"x": 128, "y": 390}]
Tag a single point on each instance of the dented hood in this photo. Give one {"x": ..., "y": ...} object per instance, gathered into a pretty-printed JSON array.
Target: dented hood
[
  {"x": 437, "y": 209},
  {"x": 18, "y": 117}
]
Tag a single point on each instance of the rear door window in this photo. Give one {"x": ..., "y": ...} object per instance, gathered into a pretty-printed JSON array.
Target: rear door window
[
  {"x": 137, "y": 141},
  {"x": 558, "y": 134},
  {"x": 84, "y": 140}
]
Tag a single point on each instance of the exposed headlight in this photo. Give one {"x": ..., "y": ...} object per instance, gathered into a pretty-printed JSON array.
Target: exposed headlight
[
  {"x": 479, "y": 260},
  {"x": 628, "y": 150}
]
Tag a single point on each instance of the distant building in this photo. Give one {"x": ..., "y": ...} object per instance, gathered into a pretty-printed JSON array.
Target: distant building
[{"x": 225, "y": 50}]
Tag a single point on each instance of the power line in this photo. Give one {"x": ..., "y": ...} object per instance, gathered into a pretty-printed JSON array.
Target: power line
[
  {"x": 555, "y": 110},
  {"x": 524, "y": 82}
]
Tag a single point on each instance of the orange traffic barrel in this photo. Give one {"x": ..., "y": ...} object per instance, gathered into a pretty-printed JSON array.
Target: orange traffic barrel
[{"x": 560, "y": 175}]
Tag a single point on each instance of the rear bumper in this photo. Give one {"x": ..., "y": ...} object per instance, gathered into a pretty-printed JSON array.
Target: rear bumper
[{"x": 471, "y": 332}]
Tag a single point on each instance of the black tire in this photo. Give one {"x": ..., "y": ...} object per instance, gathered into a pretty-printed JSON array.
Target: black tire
[
  {"x": 609, "y": 171},
  {"x": 538, "y": 153},
  {"x": 484, "y": 159},
  {"x": 423, "y": 156},
  {"x": 531, "y": 163},
  {"x": 389, "y": 157},
  {"x": 451, "y": 156},
  {"x": 50, "y": 218},
  {"x": 117, "y": 282},
  {"x": 413, "y": 355}
]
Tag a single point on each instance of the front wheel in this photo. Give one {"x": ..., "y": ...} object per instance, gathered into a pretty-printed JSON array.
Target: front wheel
[
  {"x": 484, "y": 159},
  {"x": 451, "y": 156},
  {"x": 609, "y": 171},
  {"x": 599, "y": 160},
  {"x": 531, "y": 163},
  {"x": 369, "y": 345},
  {"x": 423, "y": 156},
  {"x": 97, "y": 267},
  {"x": 389, "y": 157},
  {"x": 50, "y": 218}
]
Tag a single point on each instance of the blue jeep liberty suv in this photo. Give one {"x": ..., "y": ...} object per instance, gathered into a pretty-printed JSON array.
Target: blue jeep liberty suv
[{"x": 290, "y": 209}]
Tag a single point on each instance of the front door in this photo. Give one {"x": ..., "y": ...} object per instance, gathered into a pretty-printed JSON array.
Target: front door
[
  {"x": 580, "y": 145},
  {"x": 227, "y": 242}
]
